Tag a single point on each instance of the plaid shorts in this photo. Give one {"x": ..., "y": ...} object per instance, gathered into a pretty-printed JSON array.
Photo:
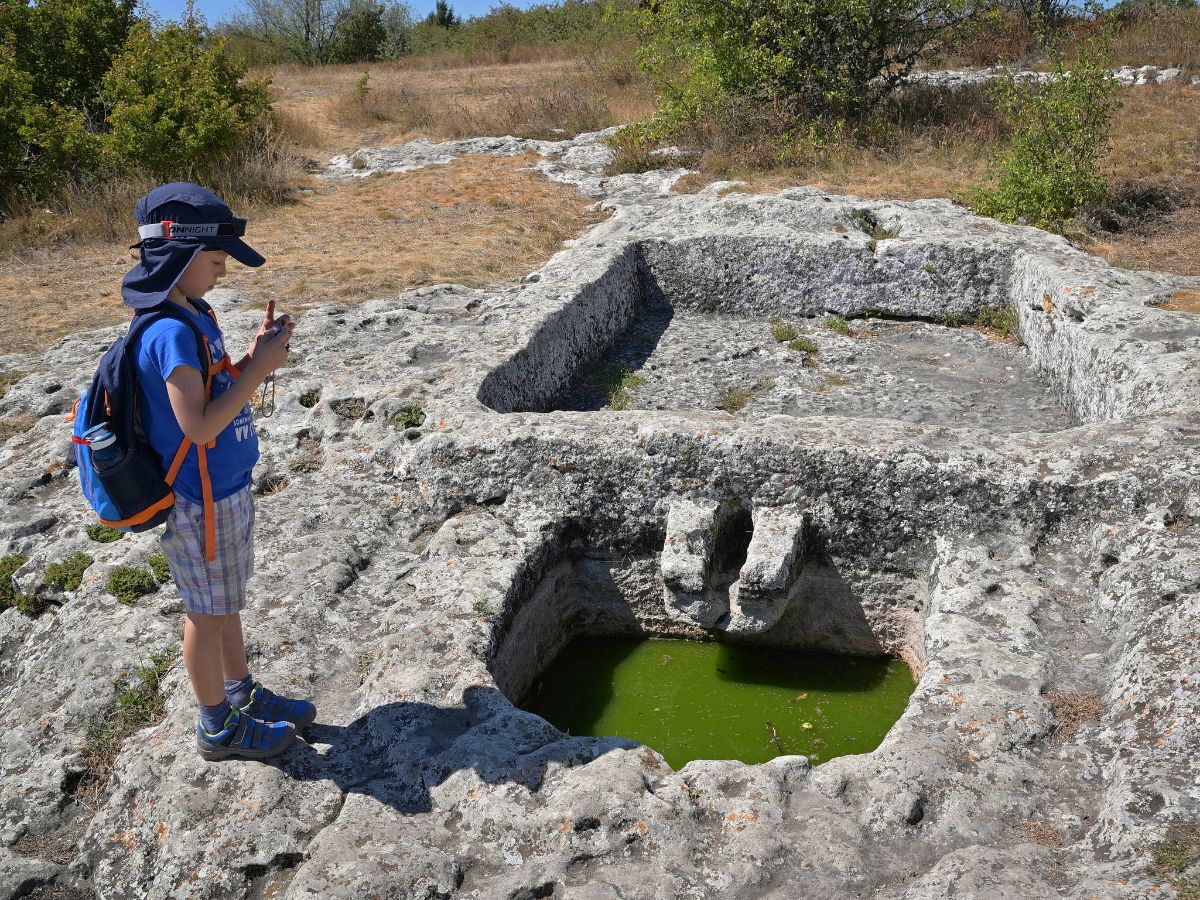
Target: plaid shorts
[{"x": 216, "y": 588}]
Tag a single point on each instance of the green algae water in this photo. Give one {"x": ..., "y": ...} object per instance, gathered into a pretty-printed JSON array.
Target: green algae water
[{"x": 692, "y": 700}]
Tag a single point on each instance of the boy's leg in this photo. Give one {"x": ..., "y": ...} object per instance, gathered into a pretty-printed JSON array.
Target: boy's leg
[
  {"x": 203, "y": 642},
  {"x": 233, "y": 649}
]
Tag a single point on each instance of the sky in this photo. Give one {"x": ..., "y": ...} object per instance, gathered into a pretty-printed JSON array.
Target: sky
[{"x": 214, "y": 11}]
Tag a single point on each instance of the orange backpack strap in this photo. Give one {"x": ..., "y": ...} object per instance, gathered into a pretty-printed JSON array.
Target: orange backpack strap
[
  {"x": 210, "y": 524},
  {"x": 177, "y": 462}
]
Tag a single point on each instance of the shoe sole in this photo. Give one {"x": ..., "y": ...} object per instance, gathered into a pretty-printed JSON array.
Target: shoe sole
[{"x": 214, "y": 754}]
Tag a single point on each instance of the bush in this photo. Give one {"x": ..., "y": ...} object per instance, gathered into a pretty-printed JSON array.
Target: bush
[
  {"x": 104, "y": 534},
  {"x": 159, "y": 567},
  {"x": 175, "y": 126},
  {"x": 68, "y": 574},
  {"x": 8, "y": 567},
  {"x": 361, "y": 33},
  {"x": 127, "y": 583},
  {"x": 1060, "y": 135},
  {"x": 816, "y": 60}
]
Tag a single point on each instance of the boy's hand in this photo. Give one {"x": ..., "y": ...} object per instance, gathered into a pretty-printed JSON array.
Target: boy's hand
[
  {"x": 269, "y": 351},
  {"x": 269, "y": 322}
]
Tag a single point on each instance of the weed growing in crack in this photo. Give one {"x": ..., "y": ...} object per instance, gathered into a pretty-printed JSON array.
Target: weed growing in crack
[
  {"x": 1000, "y": 319},
  {"x": 9, "y": 566},
  {"x": 9, "y": 378},
  {"x": 104, "y": 534},
  {"x": 783, "y": 332},
  {"x": 837, "y": 325},
  {"x": 269, "y": 485},
  {"x": 836, "y": 379},
  {"x": 127, "y": 583},
  {"x": 615, "y": 383},
  {"x": 949, "y": 320},
  {"x": 869, "y": 225},
  {"x": 309, "y": 456},
  {"x": 67, "y": 575},
  {"x": 804, "y": 345},
  {"x": 410, "y": 416},
  {"x": 735, "y": 399},
  {"x": 1178, "y": 852},
  {"x": 1072, "y": 709},
  {"x": 135, "y": 705}
]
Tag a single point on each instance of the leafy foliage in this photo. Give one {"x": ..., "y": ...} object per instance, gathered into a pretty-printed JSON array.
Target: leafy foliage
[
  {"x": 159, "y": 567},
  {"x": 127, "y": 583},
  {"x": 67, "y": 575},
  {"x": 818, "y": 60},
  {"x": 361, "y": 34},
  {"x": 1060, "y": 135},
  {"x": 179, "y": 126},
  {"x": 8, "y": 566},
  {"x": 104, "y": 534}
]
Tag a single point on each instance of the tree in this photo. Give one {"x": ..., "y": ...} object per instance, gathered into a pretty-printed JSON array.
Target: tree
[
  {"x": 177, "y": 126},
  {"x": 360, "y": 33},
  {"x": 442, "y": 15},
  {"x": 304, "y": 30},
  {"x": 824, "y": 59}
]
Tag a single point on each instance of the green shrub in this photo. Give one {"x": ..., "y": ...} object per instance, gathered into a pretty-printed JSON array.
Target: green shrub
[
  {"x": 783, "y": 332},
  {"x": 615, "y": 383},
  {"x": 8, "y": 567},
  {"x": 127, "y": 583},
  {"x": 68, "y": 574},
  {"x": 179, "y": 104},
  {"x": 1060, "y": 135},
  {"x": 1001, "y": 319},
  {"x": 828, "y": 60},
  {"x": 410, "y": 416},
  {"x": 159, "y": 567},
  {"x": 838, "y": 325},
  {"x": 104, "y": 534},
  {"x": 803, "y": 345},
  {"x": 735, "y": 399}
]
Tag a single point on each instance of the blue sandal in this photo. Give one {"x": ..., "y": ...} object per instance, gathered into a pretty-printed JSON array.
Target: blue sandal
[
  {"x": 270, "y": 707},
  {"x": 245, "y": 737}
]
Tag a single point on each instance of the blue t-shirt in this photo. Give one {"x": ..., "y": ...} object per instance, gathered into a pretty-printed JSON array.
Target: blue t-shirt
[{"x": 163, "y": 346}]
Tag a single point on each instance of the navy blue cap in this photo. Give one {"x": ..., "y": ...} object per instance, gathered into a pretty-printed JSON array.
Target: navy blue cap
[{"x": 163, "y": 259}]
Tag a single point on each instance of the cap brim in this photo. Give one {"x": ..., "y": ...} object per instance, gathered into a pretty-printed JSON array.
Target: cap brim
[{"x": 242, "y": 252}]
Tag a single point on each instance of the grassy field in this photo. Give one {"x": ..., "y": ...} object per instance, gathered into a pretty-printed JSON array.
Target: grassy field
[{"x": 483, "y": 220}]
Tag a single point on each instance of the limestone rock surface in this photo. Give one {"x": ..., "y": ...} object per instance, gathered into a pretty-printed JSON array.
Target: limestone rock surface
[{"x": 415, "y": 580}]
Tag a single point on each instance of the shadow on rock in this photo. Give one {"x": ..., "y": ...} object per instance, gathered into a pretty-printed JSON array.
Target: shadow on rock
[{"x": 397, "y": 753}]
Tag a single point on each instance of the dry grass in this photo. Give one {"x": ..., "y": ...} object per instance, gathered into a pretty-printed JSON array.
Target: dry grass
[
  {"x": 15, "y": 425},
  {"x": 1155, "y": 154},
  {"x": 1171, "y": 37},
  {"x": 445, "y": 96},
  {"x": 1040, "y": 833},
  {"x": 1072, "y": 709},
  {"x": 476, "y": 221},
  {"x": 1184, "y": 301}
]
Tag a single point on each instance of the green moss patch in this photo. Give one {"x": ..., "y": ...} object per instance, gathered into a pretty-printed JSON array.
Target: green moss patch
[
  {"x": 783, "y": 332},
  {"x": 104, "y": 534},
  {"x": 1000, "y": 319},
  {"x": 127, "y": 583},
  {"x": 159, "y": 567},
  {"x": 410, "y": 416},
  {"x": 67, "y": 575},
  {"x": 615, "y": 383},
  {"x": 837, "y": 325}
]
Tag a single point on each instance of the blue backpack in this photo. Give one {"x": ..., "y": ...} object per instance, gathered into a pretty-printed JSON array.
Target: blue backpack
[{"x": 134, "y": 494}]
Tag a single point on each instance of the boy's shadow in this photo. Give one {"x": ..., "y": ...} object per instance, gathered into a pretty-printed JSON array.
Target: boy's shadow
[{"x": 398, "y": 752}]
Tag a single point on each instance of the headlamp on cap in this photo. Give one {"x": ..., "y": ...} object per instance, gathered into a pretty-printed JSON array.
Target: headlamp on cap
[{"x": 168, "y": 230}]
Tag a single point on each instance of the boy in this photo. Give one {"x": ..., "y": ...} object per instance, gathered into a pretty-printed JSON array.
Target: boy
[{"x": 187, "y": 234}]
